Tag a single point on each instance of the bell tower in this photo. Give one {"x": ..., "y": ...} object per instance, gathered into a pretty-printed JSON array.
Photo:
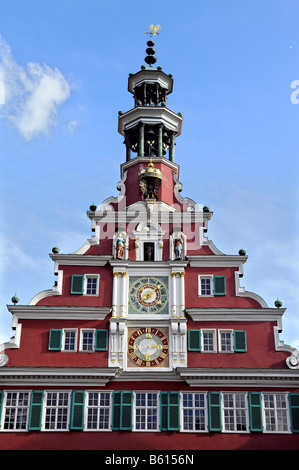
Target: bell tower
[{"x": 150, "y": 128}]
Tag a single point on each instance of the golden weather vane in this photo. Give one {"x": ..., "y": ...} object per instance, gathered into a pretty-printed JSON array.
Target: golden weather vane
[{"x": 154, "y": 29}]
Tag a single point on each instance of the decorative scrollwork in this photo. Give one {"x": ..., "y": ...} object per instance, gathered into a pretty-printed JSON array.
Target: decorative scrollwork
[{"x": 3, "y": 360}]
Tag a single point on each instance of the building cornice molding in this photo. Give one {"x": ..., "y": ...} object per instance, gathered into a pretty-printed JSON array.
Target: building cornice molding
[
  {"x": 73, "y": 259},
  {"x": 217, "y": 260},
  {"x": 235, "y": 314},
  {"x": 148, "y": 376},
  {"x": 58, "y": 312},
  {"x": 32, "y": 376},
  {"x": 210, "y": 377}
]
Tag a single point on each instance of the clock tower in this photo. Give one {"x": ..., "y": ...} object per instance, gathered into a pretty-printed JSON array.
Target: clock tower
[
  {"x": 152, "y": 221},
  {"x": 147, "y": 329}
]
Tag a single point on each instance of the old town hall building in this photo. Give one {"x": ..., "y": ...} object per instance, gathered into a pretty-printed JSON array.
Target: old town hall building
[{"x": 147, "y": 339}]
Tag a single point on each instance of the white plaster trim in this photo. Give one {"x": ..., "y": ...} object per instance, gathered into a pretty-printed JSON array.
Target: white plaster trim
[
  {"x": 56, "y": 376},
  {"x": 208, "y": 377},
  {"x": 14, "y": 342},
  {"x": 235, "y": 314},
  {"x": 150, "y": 115},
  {"x": 58, "y": 312},
  {"x": 241, "y": 292},
  {"x": 42, "y": 295},
  {"x": 217, "y": 260},
  {"x": 79, "y": 260},
  {"x": 178, "y": 187}
]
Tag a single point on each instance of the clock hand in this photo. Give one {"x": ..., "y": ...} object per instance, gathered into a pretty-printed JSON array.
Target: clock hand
[{"x": 147, "y": 295}]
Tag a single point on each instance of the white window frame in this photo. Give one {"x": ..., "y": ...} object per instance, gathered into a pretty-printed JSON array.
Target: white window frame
[
  {"x": 209, "y": 330},
  {"x": 231, "y": 332},
  {"x": 56, "y": 412},
  {"x": 205, "y": 276},
  {"x": 14, "y": 412},
  {"x": 98, "y": 409},
  {"x": 69, "y": 330},
  {"x": 91, "y": 276},
  {"x": 194, "y": 408},
  {"x": 87, "y": 330},
  {"x": 146, "y": 409},
  {"x": 233, "y": 411},
  {"x": 275, "y": 413}
]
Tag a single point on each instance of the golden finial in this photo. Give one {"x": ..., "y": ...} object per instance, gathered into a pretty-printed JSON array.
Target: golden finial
[{"x": 154, "y": 28}]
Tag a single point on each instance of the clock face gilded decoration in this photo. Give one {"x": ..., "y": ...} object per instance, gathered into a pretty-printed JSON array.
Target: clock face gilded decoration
[
  {"x": 148, "y": 295},
  {"x": 148, "y": 347}
]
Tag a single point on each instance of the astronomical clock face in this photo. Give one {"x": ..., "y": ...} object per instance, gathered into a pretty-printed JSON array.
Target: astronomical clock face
[
  {"x": 148, "y": 347},
  {"x": 148, "y": 295}
]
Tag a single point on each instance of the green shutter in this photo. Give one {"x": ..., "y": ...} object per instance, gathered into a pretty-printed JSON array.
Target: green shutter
[
  {"x": 101, "y": 343},
  {"x": 116, "y": 408},
  {"x": 77, "y": 284},
  {"x": 122, "y": 406},
  {"x": 164, "y": 411},
  {"x": 126, "y": 411},
  {"x": 294, "y": 411},
  {"x": 240, "y": 343},
  {"x": 170, "y": 411},
  {"x": 77, "y": 410},
  {"x": 255, "y": 411},
  {"x": 194, "y": 340},
  {"x": 1, "y": 402},
  {"x": 214, "y": 406},
  {"x": 55, "y": 340},
  {"x": 36, "y": 406},
  {"x": 219, "y": 285}
]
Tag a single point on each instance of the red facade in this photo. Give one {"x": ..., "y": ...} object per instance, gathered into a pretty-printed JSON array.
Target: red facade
[{"x": 147, "y": 340}]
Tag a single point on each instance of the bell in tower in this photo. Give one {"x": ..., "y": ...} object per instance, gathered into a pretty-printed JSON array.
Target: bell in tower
[{"x": 150, "y": 128}]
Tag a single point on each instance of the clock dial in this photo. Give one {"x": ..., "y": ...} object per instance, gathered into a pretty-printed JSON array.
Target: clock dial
[
  {"x": 148, "y": 295},
  {"x": 148, "y": 347}
]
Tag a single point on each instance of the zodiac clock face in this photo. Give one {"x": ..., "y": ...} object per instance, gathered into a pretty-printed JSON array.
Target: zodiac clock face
[
  {"x": 148, "y": 347},
  {"x": 148, "y": 295}
]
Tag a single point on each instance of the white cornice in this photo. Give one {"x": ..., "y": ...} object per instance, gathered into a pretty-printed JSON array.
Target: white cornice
[
  {"x": 150, "y": 115},
  {"x": 149, "y": 376},
  {"x": 235, "y": 314},
  {"x": 80, "y": 260},
  {"x": 247, "y": 378},
  {"x": 58, "y": 312},
  {"x": 198, "y": 261},
  {"x": 59, "y": 376}
]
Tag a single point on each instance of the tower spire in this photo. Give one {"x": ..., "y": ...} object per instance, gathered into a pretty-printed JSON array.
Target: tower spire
[
  {"x": 150, "y": 59},
  {"x": 150, "y": 128}
]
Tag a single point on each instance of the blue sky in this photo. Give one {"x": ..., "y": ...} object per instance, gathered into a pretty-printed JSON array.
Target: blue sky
[{"x": 65, "y": 65}]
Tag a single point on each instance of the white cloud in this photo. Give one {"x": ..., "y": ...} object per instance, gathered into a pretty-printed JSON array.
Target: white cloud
[{"x": 32, "y": 94}]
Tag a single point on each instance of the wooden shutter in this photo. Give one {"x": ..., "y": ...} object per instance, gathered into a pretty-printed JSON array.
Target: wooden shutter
[
  {"x": 77, "y": 410},
  {"x": 77, "y": 284},
  {"x": 194, "y": 340},
  {"x": 122, "y": 404},
  {"x": 214, "y": 407},
  {"x": 116, "y": 410},
  {"x": 219, "y": 285},
  {"x": 294, "y": 411},
  {"x": 255, "y": 411},
  {"x": 170, "y": 411},
  {"x": 240, "y": 343},
  {"x": 36, "y": 406},
  {"x": 55, "y": 340},
  {"x": 126, "y": 411},
  {"x": 101, "y": 342}
]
